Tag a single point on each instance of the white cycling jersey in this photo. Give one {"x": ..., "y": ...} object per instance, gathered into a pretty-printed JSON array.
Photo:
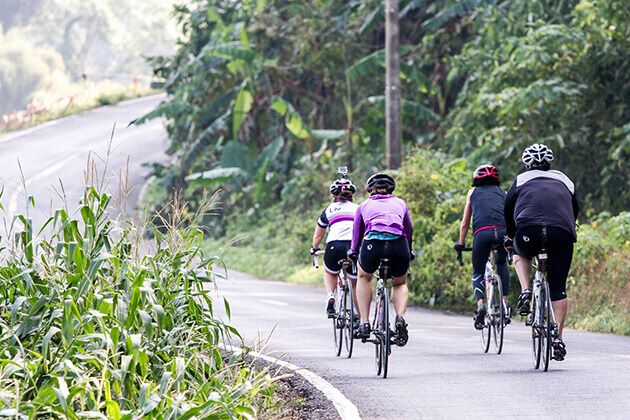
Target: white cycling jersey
[{"x": 338, "y": 217}]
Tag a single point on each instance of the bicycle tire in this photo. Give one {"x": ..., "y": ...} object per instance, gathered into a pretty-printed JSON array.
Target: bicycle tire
[
  {"x": 386, "y": 348},
  {"x": 349, "y": 325},
  {"x": 486, "y": 331},
  {"x": 536, "y": 339},
  {"x": 548, "y": 328},
  {"x": 338, "y": 322},
  {"x": 378, "y": 345},
  {"x": 498, "y": 315}
]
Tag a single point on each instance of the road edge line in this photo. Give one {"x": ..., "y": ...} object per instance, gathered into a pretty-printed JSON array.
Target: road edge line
[{"x": 345, "y": 408}]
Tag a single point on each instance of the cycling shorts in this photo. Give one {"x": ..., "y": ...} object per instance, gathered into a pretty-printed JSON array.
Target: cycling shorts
[
  {"x": 528, "y": 241},
  {"x": 397, "y": 250},
  {"x": 336, "y": 252}
]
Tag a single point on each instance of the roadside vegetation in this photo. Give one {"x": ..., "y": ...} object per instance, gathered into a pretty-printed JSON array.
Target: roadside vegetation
[
  {"x": 59, "y": 57},
  {"x": 98, "y": 322},
  {"x": 269, "y": 97}
]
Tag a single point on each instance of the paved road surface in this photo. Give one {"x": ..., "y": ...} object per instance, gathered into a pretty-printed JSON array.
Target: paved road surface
[
  {"x": 441, "y": 373},
  {"x": 59, "y": 150}
]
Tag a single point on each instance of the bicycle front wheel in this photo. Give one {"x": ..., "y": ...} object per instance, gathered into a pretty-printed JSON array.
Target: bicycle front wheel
[
  {"x": 498, "y": 314},
  {"x": 349, "y": 324}
]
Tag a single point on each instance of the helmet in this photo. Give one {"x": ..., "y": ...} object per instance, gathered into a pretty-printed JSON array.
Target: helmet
[
  {"x": 381, "y": 181},
  {"x": 342, "y": 186},
  {"x": 486, "y": 171},
  {"x": 537, "y": 155}
]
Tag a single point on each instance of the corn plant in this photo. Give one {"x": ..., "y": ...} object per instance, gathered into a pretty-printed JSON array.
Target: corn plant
[{"x": 93, "y": 327}]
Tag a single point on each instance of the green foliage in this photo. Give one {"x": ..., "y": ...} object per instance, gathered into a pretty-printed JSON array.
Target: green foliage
[
  {"x": 92, "y": 327},
  {"x": 554, "y": 78}
]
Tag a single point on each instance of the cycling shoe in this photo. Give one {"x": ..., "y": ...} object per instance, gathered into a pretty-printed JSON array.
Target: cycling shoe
[
  {"x": 330, "y": 308},
  {"x": 524, "y": 302},
  {"x": 401, "y": 335},
  {"x": 364, "y": 330},
  {"x": 559, "y": 349},
  {"x": 480, "y": 317}
]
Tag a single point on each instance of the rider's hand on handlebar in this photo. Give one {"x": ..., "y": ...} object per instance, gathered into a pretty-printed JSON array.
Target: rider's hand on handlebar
[
  {"x": 313, "y": 250},
  {"x": 458, "y": 247},
  {"x": 412, "y": 255},
  {"x": 352, "y": 255},
  {"x": 508, "y": 243}
]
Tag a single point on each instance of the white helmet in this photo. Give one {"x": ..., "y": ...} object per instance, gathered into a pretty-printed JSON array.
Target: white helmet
[{"x": 536, "y": 155}]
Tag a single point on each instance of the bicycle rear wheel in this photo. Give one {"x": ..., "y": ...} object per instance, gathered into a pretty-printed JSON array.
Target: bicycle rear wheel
[
  {"x": 546, "y": 338},
  {"x": 378, "y": 344},
  {"x": 386, "y": 348},
  {"x": 349, "y": 324},
  {"x": 486, "y": 332},
  {"x": 498, "y": 314},
  {"x": 338, "y": 321},
  {"x": 536, "y": 331}
]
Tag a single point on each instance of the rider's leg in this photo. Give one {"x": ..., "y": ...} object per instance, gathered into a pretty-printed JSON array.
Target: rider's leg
[
  {"x": 482, "y": 244},
  {"x": 522, "y": 266},
  {"x": 364, "y": 294},
  {"x": 400, "y": 294},
  {"x": 330, "y": 281},
  {"x": 560, "y": 309}
]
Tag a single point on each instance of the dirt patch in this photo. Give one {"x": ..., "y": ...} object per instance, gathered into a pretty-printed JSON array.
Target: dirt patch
[{"x": 294, "y": 397}]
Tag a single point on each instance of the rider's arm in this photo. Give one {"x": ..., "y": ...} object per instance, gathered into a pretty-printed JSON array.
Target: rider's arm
[
  {"x": 357, "y": 231},
  {"x": 463, "y": 227},
  {"x": 318, "y": 235},
  {"x": 576, "y": 206},
  {"x": 408, "y": 227},
  {"x": 508, "y": 210}
]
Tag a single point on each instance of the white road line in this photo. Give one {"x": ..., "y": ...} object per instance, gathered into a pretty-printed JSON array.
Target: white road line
[
  {"x": 274, "y": 302},
  {"x": 13, "y": 200},
  {"x": 346, "y": 409}
]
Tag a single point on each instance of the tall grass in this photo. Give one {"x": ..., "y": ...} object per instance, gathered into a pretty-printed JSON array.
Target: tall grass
[{"x": 97, "y": 322}]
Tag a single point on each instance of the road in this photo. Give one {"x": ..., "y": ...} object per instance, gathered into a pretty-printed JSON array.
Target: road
[
  {"x": 442, "y": 372},
  {"x": 59, "y": 150}
]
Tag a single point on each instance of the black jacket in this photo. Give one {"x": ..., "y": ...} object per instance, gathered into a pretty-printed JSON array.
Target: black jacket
[{"x": 541, "y": 198}]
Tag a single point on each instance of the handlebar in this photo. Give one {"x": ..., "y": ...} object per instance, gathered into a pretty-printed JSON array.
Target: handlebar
[{"x": 316, "y": 259}]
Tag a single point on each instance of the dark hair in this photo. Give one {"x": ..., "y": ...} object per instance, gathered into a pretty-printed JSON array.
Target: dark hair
[
  {"x": 344, "y": 196},
  {"x": 539, "y": 166},
  {"x": 480, "y": 182}
]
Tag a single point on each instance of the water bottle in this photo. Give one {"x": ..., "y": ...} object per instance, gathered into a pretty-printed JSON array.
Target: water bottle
[{"x": 488, "y": 274}]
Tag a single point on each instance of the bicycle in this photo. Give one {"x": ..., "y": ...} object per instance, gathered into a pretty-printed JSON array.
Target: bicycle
[
  {"x": 381, "y": 332},
  {"x": 541, "y": 317},
  {"x": 344, "y": 327},
  {"x": 497, "y": 315}
]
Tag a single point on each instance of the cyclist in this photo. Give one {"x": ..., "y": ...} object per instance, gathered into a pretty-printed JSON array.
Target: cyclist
[
  {"x": 484, "y": 204},
  {"x": 337, "y": 218},
  {"x": 542, "y": 200},
  {"x": 382, "y": 229}
]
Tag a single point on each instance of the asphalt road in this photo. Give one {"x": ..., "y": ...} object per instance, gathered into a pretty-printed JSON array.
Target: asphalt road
[
  {"x": 442, "y": 372},
  {"x": 59, "y": 150}
]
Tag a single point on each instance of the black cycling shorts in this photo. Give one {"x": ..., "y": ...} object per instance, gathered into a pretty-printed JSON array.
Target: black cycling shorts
[
  {"x": 397, "y": 250},
  {"x": 528, "y": 241},
  {"x": 336, "y": 252}
]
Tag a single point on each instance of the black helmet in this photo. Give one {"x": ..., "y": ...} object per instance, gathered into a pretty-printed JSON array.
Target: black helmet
[
  {"x": 381, "y": 181},
  {"x": 342, "y": 186}
]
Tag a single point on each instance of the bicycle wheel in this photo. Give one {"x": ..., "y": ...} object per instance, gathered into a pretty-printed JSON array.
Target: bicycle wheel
[
  {"x": 386, "y": 348},
  {"x": 536, "y": 340},
  {"x": 349, "y": 324},
  {"x": 546, "y": 338},
  {"x": 378, "y": 344},
  {"x": 338, "y": 322},
  {"x": 498, "y": 311},
  {"x": 486, "y": 332}
]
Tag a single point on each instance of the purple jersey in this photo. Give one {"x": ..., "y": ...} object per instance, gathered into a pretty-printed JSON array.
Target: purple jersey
[{"x": 381, "y": 213}]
